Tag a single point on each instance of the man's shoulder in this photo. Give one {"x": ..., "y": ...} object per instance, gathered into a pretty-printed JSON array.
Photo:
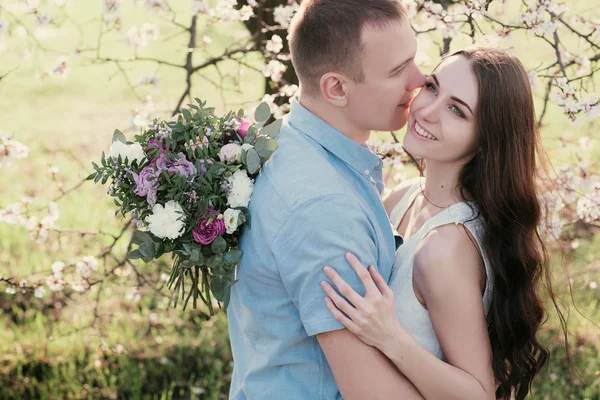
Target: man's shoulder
[{"x": 300, "y": 169}]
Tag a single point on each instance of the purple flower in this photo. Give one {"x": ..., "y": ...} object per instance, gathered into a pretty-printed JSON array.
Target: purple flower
[
  {"x": 145, "y": 181},
  {"x": 206, "y": 233},
  {"x": 180, "y": 166}
]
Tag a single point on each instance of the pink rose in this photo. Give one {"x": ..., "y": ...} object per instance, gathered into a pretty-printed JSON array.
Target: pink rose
[
  {"x": 243, "y": 127},
  {"x": 206, "y": 233}
]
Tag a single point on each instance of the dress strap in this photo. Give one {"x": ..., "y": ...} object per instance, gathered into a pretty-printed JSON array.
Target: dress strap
[{"x": 404, "y": 204}]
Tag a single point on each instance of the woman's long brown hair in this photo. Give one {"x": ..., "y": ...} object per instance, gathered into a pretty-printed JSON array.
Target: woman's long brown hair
[{"x": 501, "y": 179}]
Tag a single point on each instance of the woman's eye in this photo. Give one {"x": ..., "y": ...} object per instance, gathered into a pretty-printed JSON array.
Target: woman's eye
[
  {"x": 430, "y": 86},
  {"x": 457, "y": 111}
]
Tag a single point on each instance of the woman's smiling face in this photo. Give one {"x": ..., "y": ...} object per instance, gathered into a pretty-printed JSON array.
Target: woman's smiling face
[{"x": 442, "y": 122}]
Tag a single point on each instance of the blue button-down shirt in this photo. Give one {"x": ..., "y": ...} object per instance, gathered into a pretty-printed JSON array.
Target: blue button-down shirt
[{"x": 315, "y": 199}]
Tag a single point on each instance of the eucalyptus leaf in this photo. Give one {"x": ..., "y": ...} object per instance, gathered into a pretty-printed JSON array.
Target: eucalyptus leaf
[
  {"x": 140, "y": 237},
  {"x": 134, "y": 254},
  {"x": 219, "y": 245},
  {"x": 196, "y": 257},
  {"x": 252, "y": 161},
  {"x": 215, "y": 261},
  {"x": 272, "y": 130},
  {"x": 265, "y": 147},
  {"x": 119, "y": 136},
  {"x": 263, "y": 112},
  {"x": 232, "y": 257},
  {"x": 218, "y": 286}
]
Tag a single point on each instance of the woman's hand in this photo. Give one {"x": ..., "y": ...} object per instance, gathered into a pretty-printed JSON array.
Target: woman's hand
[{"x": 373, "y": 317}]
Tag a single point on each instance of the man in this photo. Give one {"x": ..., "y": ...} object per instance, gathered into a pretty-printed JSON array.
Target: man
[{"x": 317, "y": 198}]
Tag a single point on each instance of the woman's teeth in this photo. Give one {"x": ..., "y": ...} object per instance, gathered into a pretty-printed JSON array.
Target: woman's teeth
[{"x": 424, "y": 133}]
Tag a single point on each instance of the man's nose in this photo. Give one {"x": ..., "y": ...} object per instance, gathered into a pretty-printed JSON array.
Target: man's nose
[{"x": 418, "y": 79}]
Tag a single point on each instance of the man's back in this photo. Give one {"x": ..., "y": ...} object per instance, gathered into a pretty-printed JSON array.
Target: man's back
[{"x": 314, "y": 200}]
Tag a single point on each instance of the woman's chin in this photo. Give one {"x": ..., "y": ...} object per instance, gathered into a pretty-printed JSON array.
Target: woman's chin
[{"x": 414, "y": 148}]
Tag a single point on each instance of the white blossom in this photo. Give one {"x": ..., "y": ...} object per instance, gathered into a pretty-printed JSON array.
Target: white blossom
[
  {"x": 79, "y": 286},
  {"x": 86, "y": 266},
  {"x": 241, "y": 189},
  {"x": 112, "y": 6},
  {"x": 167, "y": 221},
  {"x": 55, "y": 283},
  {"x": 274, "y": 70},
  {"x": 283, "y": 14},
  {"x": 39, "y": 292},
  {"x": 275, "y": 44},
  {"x": 11, "y": 150},
  {"x": 149, "y": 32},
  {"x": 246, "y": 12},
  {"x": 231, "y": 218}
]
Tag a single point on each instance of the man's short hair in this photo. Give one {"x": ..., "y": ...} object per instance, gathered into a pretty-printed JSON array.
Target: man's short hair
[{"x": 325, "y": 36}]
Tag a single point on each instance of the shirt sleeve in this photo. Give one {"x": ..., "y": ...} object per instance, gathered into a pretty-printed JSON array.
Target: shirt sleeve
[{"x": 319, "y": 233}]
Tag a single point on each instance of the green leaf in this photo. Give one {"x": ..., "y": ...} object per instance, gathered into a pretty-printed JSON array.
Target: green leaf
[
  {"x": 134, "y": 254},
  {"x": 218, "y": 286},
  {"x": 196, "y": 257},
  {"x": 219, "y": 245},
  {"x": 215, "y": 261},
  {"x": 265, "y": 147},
  {"x": 240, "y": 113},
  {"x": 232, "y": 257},
  {"x": 251, "y": 135},
  {"x": 227, "y": 296},
  {"x": 272, "y": 130},
  {"x": 147, "y": 251},
  {"x": 91, "y": 176},
  {"x": 187, "y": 114},
  {"x": 262, "y": 113},
  {"x": 140, "y": 237},
  {"x": 252, "y": 161},
  {"x": 119, "y": 136}
]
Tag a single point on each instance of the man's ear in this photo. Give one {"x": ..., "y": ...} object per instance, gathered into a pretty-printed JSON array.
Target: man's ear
[{"x": 333, "y": 88}]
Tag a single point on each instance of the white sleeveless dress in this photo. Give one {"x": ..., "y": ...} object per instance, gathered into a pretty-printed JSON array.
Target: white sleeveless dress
[{"x": 411, "y": 314}]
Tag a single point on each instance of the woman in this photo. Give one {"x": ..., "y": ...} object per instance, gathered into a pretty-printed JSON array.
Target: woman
[{"x": 460, "y": 315}]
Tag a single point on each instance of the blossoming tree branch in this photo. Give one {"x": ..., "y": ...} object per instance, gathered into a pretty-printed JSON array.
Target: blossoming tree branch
[{"x": 562, "y": 80}]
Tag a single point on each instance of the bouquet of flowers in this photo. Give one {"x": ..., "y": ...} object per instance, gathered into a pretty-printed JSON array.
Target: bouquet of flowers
[{"x": 187, "y": 182}]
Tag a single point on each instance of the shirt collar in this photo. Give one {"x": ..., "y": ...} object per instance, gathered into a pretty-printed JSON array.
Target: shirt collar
[{"x": 355, "y": 155}]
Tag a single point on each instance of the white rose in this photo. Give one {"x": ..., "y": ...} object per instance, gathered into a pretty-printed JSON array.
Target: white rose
[
  {"x": 167, "y": 221},
  {"x": 241, "y": 189},
  {"x": 118, "y": 148},
  {"x": 231, "y": 153},
  {"x": 232, "y": 220},
  {"x": 136, "y": 153},
  {"x": 131, "y": 152}
]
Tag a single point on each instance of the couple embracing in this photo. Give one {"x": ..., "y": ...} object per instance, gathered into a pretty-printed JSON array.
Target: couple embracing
[{"x": 429, "y": 293}]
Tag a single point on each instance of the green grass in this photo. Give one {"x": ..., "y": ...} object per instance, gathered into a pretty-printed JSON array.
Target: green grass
[{"x": 146, "y": 349}]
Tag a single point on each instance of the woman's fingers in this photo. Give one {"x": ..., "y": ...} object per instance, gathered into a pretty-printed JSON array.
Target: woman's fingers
[
  {"x": 339, "y": 301},
  {"x": 343, "y": 287},
  {"x": 363, "y": 274},
  {"x": 379, "y": 281},
  {"x": 340, "y": 317}
]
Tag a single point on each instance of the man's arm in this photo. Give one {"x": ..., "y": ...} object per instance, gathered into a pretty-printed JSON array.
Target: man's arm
[
  {"x": 363, "y": 372},
  {"x": 317, "y": 233}
]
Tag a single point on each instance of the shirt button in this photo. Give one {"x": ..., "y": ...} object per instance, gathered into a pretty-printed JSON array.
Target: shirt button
[{"x": 366, "y": 172}]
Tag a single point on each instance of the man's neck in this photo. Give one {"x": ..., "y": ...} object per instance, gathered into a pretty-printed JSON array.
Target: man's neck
[{"x": 334, "y": 117}]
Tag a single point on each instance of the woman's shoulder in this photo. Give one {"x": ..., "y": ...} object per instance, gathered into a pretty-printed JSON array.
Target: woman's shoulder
[
  {"x": 447, "y": 254},
  {"x": 393, "y": 197}
]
